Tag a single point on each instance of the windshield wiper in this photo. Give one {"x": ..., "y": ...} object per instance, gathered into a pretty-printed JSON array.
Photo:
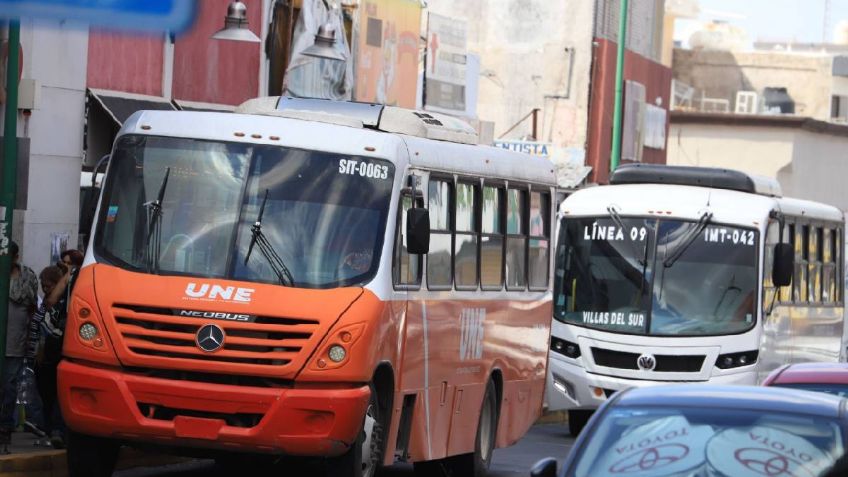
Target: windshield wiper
[
  {"x": 267, "y": 250},
  {"x": 153, "y": 240},
  {"x": 688, "y": 239},
  {"x": 620, "y": 224}
]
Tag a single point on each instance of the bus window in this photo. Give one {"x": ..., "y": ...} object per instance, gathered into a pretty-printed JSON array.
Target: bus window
[
  {"x": 799, "y": 281},
  {"x": 492, "y": 240},
  {"x": 814, "y": 261},
  {"x": 838, "y": 266},
  {"x": 539, "y": 243},
  {"x": 788, "y": 237},
  {"x": 465, "y": 245},
  {"x": 439, "y": 259},
  {"x": 828, "y": 269},
  {"x": 407, "y": 268},
  {"x": 516, "y": 241}
]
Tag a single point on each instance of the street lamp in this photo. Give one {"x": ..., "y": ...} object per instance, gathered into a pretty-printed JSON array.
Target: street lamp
[
  {"x": 235, "y": 25},
  {"x": 323, "y": 46}
]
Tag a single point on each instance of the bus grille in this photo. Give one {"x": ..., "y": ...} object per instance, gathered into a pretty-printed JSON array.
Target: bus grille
[
  {"x": 268, "y": 341},
  {"x": 666, "y": 363}
]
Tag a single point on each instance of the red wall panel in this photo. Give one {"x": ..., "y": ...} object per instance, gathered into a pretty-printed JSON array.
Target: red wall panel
[
  {"x": 215, "y": 71},
  {"x": 657, "y": 81},
  {"x": 129, "y": 63}
]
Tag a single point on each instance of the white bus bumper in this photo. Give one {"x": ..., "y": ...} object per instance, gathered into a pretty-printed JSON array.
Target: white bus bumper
[{"x": 569, "y": 386}]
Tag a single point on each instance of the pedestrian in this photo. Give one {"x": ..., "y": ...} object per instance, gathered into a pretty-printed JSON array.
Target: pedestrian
[
  {"x": 72, "y": 258},
  {"x": 50, "y": 320},
  {"x": 23, "y": 298}
]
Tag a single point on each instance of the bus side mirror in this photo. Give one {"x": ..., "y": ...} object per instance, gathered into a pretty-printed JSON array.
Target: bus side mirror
[
  {"x": 784, "y": 263},
  {"x": 418, "y": 231},
  {"x": 544, "y": 468}
]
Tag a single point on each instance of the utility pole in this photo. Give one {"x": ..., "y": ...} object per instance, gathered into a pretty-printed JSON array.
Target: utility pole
[
  {"x": 8, "y": 176},
  {"x": 615, "y": 155}
]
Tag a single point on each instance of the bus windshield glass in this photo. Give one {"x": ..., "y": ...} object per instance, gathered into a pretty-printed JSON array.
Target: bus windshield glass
[
  {"x": 658, "y": 277},
  {"x": 324, "y": 214}
]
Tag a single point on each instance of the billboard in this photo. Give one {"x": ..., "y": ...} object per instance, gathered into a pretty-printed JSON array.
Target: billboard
[
  {"x": 387, "y": 52},
  {"x": 446, "y": 70}
]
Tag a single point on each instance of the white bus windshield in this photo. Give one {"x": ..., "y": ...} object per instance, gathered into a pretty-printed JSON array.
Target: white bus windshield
[
  {"x": 656, "y": 277},
  {"x": 324, "y": 214}
]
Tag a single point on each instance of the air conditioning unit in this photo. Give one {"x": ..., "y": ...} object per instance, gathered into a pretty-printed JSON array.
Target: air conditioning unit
[{"x": 746, "y": 102}]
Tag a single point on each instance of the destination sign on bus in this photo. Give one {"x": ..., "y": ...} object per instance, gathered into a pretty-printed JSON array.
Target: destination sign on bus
[{"x": 634, "y": 320}]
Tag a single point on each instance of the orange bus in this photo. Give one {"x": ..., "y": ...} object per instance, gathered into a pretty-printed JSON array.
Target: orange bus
[{"x": 359, "y": 283}]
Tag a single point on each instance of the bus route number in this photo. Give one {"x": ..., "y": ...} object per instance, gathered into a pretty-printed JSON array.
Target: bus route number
[
  {"x": 611, "y": 233},
  {"x": 364, "y": 169}
]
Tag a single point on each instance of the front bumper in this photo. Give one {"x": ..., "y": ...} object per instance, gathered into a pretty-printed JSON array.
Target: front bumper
[
  {"x": 570, "y": 386},
  {"x": 293, "y": 421}
]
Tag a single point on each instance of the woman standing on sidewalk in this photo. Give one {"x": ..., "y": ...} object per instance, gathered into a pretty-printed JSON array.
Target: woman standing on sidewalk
[
  {"x": 50, "y": 320},
  {"x": 23, "y": 296}
]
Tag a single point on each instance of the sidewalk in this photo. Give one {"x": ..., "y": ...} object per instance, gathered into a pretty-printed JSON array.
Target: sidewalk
[{"x": 30, "y": 460}]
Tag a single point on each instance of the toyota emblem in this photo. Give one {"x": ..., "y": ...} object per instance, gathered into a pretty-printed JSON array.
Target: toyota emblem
[
  {"x": 210, "y": 338},
  {"x": 646, "y": 362}
]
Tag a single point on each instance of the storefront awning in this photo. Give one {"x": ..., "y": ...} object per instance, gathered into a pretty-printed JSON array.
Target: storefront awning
[
  {"x": 120, "y": 106},
  {"x": 184, "y": 105},
  {"x": 106, "y": 112}
]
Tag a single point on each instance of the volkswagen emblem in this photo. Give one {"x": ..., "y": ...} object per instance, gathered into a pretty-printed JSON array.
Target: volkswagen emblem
[
  {"x": 210, "y": 338},
  {"x": 646, "y": 362}
]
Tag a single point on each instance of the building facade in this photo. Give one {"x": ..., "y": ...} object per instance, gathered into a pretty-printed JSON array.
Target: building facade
[
  {"x": 807, "y": 156},
  {"x": 558, "y": 58},
  {"x": 50, "y": 122}
]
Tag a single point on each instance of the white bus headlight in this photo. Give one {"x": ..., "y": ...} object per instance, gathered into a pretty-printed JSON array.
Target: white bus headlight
[
  {"x": 337, "y": 353},
  {"x": 88, "y": 331},
  {"x": 736, "y": 360}
]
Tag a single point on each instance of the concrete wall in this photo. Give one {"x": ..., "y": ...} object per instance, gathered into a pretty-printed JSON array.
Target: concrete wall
[
  {"x": 644, "y": 29},
  {"x": 720, "y": 74},
  {"x": 55, "y": 55},
  {"x": 755, "y": 150},
  {"x": 524, "y": 63},
  {"x": 818, "y": 170},
  {"x": 808, "y": 165}
]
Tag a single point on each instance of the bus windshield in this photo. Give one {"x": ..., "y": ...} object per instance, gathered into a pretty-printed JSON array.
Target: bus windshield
[
  {"x": 658, "y": 277},
  {"x": 324, "y": 214}
]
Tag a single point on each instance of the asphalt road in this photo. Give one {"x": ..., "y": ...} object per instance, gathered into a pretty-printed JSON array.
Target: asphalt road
[{"x": 550, "y": 440}]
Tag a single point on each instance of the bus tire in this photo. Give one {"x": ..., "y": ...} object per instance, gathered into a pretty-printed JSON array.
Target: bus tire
[
  {"x": 577, "y": 419},
  {"x": 365, "y": 455},
  {"x": 475, "y": 464},
  {"x": 90, "y": 456}
]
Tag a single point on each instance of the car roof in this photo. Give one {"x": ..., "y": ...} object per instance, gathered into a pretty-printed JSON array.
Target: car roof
[
  {"x": 761, "y": 398},
  {"x": 812, "y": 373}
]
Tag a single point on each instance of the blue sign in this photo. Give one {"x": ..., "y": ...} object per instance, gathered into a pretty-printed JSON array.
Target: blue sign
[{"x": 152, "y": 15}]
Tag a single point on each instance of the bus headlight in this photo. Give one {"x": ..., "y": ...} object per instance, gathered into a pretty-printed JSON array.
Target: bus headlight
[
  {"x": 88, "y": 331},
  {"x": 337, "y": 353},
  {"x": 566, "y": 348},
  {"x": 736, "y": 360}
]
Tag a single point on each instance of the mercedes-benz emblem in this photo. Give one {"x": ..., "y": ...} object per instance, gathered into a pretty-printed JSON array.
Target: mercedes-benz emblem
[
  {"x": 646, "y": 362},
  {"x": 210, "y": 338}
]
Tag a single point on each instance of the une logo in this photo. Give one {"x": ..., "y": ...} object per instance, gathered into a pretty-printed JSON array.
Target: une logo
[{"x": 214, "y": 292}]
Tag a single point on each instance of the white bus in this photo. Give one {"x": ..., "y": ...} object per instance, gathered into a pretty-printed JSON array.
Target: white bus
[{"x": 668, "y": 275}]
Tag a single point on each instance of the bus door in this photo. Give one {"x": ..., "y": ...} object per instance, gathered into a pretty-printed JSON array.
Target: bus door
[{"x": 413, "y": 427}]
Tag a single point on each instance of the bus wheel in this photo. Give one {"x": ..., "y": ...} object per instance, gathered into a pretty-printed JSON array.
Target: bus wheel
[
  {"x": 577, "y": 419},
  {"x": 366, "y": 454},
  {"x": 477, "y": 463},
  {"x": 90, "y": 456}
]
